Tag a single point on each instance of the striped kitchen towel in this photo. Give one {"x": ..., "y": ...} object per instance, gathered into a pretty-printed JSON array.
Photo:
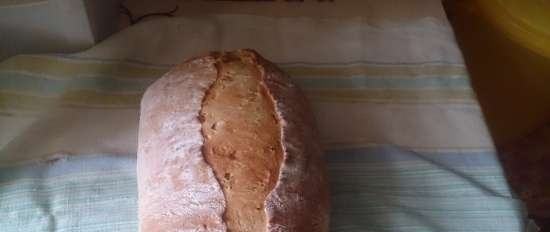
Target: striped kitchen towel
[{"x": 406, "y": 145}]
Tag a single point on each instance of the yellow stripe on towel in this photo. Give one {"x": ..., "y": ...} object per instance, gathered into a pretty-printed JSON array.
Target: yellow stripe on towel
[
  {"x": 63, "y": 68},
  {"x": 393, "y": 95},
  {"x": 377, "y": 70},
  {"x": 80, "y": 99},
  {"x": 59, "y": 68}
]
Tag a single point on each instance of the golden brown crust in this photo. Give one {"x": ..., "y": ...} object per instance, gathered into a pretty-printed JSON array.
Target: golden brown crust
[
  {"x": 302, "y": 188},
  {"x": 242, "y": 141},
  {"x": 288, "y": 177}
]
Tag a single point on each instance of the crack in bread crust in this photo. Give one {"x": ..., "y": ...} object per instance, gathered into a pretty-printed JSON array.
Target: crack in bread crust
[{"x": 242, "y": 141}]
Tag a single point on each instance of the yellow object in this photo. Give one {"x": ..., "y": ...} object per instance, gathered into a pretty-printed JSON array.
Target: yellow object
[
  {"x": 525, "y": 21},
  {"x": 506, "y": 47}
]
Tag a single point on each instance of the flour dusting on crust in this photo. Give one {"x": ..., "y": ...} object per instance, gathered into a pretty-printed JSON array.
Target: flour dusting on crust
[
  {"x": 177, "y": 188},
  {"x": 300, "y": 200}
]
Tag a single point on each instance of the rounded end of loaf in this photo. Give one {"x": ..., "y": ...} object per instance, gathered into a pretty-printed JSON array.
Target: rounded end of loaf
[{"x": 233, "y": 124}]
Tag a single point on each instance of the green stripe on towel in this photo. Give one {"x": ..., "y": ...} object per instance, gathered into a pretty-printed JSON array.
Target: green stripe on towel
[
  {"x": 99, "y": 99},
  {"x": 24, "y": 82},
  {"x": 35, "y": 82},
  {"x": 86, "y": 99},
  {"x": 55, "y": 67}
]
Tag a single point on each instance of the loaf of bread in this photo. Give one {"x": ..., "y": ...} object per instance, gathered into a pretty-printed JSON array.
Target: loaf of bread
[{"x": 227, "y": 143}]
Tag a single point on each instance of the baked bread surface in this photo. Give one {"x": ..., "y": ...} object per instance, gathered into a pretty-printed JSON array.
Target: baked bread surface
[{"x": 228, "y": 143}]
